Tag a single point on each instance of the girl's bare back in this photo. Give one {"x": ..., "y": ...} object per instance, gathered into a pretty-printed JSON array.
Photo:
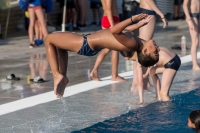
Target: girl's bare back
[{"x": 119, "y": 42}]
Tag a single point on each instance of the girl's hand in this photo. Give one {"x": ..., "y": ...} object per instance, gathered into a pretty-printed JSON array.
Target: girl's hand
[
  {"x": 146, "y": 20},
  {"x": 190, "y": 24},
  {"x": 138, "y": 17},
  {"x": 165, "y": 22}
]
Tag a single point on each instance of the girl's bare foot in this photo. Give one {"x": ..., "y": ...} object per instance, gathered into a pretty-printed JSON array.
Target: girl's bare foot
[
  {"x": 94, "y": 76},
  {"x": 118, "y": 78},
  {"x": 134, "y": 88},
  {"x": 139, "y": 103},
  {"x": 196, "y": 68},
  {"x": 60, "y": 82}
]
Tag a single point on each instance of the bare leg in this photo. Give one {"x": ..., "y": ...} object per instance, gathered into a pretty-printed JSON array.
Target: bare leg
[
  {"x": 100, "y": 57},
  {"x": 31, "y": 25},
  {"x": 134, "y": 83},
  {"x": 63, "y": 63},
  {"x": 58, "y": 66},
  {"x": 167, "y": 79},
  {"x": 140, "y": 84},
  {"x": 156, "y": 81},
  {"x": 40, "y": 15},
  {"x": 194, "y": 46},
  {"x": 36, "y": 27},
  {"x": 115, "y": 62}
]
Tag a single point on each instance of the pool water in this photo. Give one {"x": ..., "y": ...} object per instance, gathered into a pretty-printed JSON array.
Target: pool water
[{"x": 158, "y": 117}]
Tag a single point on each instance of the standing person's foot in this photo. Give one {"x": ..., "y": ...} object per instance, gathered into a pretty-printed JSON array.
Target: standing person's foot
[
  {"x": 33, "y": 45},
  {"x": 196, "y": 68},
  {"x": 118, "y": 78},
  {"x": 94, "y": 76}
]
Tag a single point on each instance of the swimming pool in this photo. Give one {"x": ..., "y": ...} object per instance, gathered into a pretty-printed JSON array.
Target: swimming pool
[{"x": 159, "y": 117}]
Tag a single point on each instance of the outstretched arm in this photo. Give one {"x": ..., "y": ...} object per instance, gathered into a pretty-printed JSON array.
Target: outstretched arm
[
  {"x": 118, "y": 28},
  {"x": 139, "y": 24}
]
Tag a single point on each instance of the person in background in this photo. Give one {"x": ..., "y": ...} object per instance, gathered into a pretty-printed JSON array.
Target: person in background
[
  {"x": 110, "y": 18},
  {"x": 37, "y": 30},
  {"x": 95, "y": 5},
  {"x": 35, "y": 10},
  {"x": 72, "y": 14},
  {"x": 177, "y": 9},
  {"x": 194, "y": 120},
  {"x": 192, "y": 13},
  {"x": 82, "y": 7},
  {"x": 149, "y": 7}
]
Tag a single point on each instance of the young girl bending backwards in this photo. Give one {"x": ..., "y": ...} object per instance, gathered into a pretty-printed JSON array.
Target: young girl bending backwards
[
  {"x": 119, "y": 37},
  {"x": 168, "y": 64}
]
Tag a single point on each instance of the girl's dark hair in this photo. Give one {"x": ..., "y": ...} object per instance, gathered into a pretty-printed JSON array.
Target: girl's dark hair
[
  {"x": 195, "y": 119},
  {"x": 127, "y": 53},
  {"x": 146, "y": 60}
]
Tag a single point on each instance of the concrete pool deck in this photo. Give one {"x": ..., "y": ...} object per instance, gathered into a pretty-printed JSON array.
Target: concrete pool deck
[{"x": 29, "y": 107}]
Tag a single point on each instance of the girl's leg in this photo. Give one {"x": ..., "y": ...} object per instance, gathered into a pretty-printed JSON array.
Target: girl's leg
[
  {"x": 58, "y": 62},
  {"x": 36, "y": 27},
  {"x": 41, "y": 18},
  {"x": 156, "y": 81},
  {"x": 167, "y": 79},
  {"x": 140, "y": 83},
  {"x": 115, "y": 62},
  {"x": 31, "y": 25},
  {"x": 195, "y": 43},
  {"x": 135, "y": 80},
  {"x": 100, "y": 57},
  {"x": 40, "y": 31}
]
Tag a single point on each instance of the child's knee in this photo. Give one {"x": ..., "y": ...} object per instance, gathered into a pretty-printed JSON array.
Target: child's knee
[{"x": 48, "y": 38}]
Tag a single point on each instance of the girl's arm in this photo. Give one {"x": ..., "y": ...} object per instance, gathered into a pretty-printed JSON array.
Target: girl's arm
[
  {"x": 140, "y": 83},
  {"x": 139, "y": 24},
  {"x": 188, "y": 18},
  {"x": 152, "y": 4},
  {"x": 118, "y": 28},
  {"x": 147, "y": 72}
]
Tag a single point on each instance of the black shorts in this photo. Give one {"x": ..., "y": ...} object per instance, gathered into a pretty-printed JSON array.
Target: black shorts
[
  {"x": 95, "y": 5},
  {"x": 178, "y": 2},
  {"x": 173, "y": 63}
]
